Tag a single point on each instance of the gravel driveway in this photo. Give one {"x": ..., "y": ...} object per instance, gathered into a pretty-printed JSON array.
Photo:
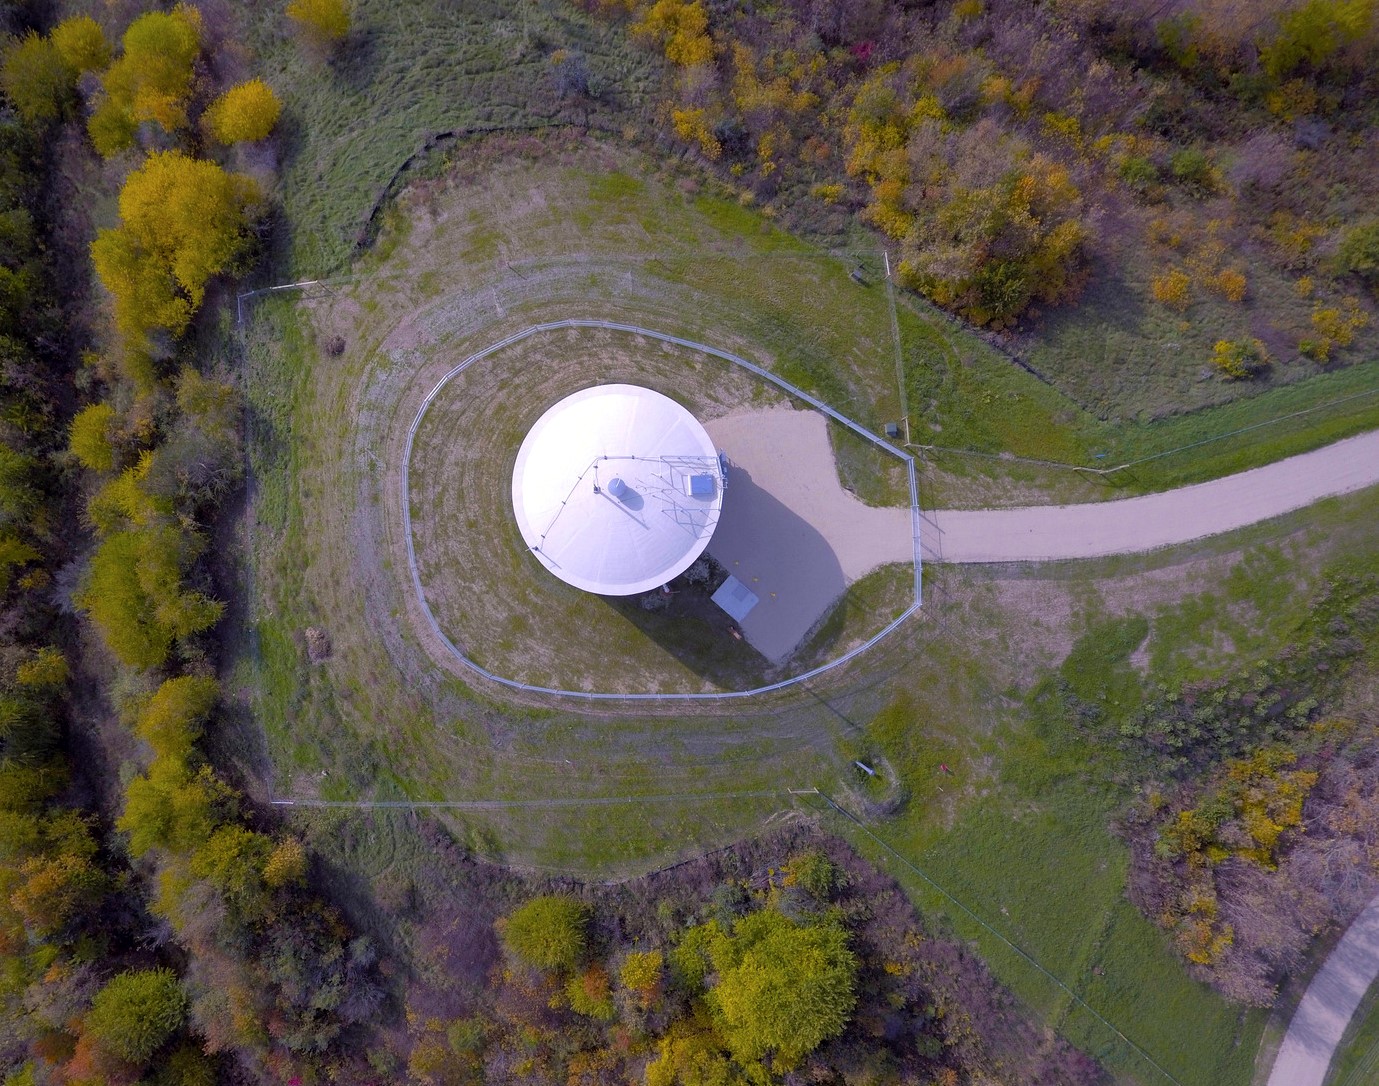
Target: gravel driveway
[
  {"x": 788, "y": 529},
  {"x": 1132, "y": 525}
]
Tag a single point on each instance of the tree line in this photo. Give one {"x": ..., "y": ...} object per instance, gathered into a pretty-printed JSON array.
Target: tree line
[{"x": 245, "y": 966}]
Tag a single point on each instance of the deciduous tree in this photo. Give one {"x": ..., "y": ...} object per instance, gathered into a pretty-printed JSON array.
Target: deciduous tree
[
  {"x": 135, "y": 596},
  {"x": 37, "y": 79},
  {"x": 183, "y": 220},
  {"x": 89, "y": 437},
  {"x": 137, "y": 1013},
  {"x": 172, "y": 719},
  {"x": 173, "y": 807},
  {"x": 151, "y": 81},
  {"x": 548, "y": 932},
  {"x": 783, "y": 988},
  {"x": 244, "y": 113},
  {"x": 82, "y": 43}
]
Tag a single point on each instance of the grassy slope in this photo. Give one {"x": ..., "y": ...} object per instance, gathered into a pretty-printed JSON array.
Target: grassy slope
[
  {"x": 418, "y": 69},
  {"x": 1357, "y": 1056},
  {"x": 408, "y": 72},
  {"x": 1018, "y": 832}
]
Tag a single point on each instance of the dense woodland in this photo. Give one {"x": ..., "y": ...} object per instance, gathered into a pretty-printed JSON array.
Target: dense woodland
[{"x": 156, "y": 928}]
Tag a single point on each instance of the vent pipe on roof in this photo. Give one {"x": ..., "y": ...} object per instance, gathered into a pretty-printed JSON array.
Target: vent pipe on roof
[{"x": 618, "y": 488}]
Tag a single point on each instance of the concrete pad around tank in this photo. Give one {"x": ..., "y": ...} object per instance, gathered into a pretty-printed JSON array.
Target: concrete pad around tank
[{"x": 788, "y": 530}]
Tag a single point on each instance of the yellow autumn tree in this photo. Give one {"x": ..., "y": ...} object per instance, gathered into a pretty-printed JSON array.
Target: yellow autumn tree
[
  {"x": 171, "y": 720},
  {"x": 90, "y": 440},
  {"x": 183, "y": 220},
  {"x": 151, "y": 81},
  {"x": 135, "y": 595},
  {"x": 681, "y": 28},
  {"x": 37, "y": 80},
  {"x": 81, "y": 43},
  {"x": 244, "y": 113}
]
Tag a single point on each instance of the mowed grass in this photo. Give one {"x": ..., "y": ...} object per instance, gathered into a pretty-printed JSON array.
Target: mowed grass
[
  {"x": 1356, "y": 1062},
  {"x": 533, "y": 627}
]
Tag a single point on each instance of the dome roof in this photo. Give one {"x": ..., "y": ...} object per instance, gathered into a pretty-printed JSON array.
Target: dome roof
[{"x": 617, "y": 489}]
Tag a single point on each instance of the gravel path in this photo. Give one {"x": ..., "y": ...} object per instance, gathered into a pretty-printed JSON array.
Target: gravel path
[
  {"x": 1132, "y": 525},
  {"x": 788, "y": 530},
  {"x": 1329, "y": 1003}
]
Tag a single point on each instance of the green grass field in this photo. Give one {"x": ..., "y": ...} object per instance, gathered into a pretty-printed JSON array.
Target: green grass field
[
  {"x": 380, "y": 720},
  {"x": 1017, "y": 833}
]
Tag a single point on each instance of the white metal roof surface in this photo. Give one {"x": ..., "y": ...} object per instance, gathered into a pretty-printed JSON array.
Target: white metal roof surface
[{"x": 569, "y": 517}]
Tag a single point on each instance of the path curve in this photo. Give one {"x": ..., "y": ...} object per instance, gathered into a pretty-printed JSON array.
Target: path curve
[
  {"x": 1132, "y": 525},
  {"x": 1329, "y": 1003}
]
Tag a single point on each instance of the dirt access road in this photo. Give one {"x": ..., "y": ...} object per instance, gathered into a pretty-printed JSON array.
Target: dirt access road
[{"x": 1132, "y": 525}]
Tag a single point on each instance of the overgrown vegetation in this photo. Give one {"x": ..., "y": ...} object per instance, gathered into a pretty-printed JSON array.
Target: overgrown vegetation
[
  {"x": 1226, "y": 772},
  {"x": 268, "y": 974},
  {"x": 785, "y": 956},
  {"x": 1220, "y": 154}
]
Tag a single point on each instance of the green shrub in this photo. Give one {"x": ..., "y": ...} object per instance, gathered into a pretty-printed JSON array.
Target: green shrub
[
  {"x": 548, "y": 932},
  {"x": 134, "y": 595},
  {"x": 81, "y": 42},
  {"x": 1311, "y": 37},
  {"x": 1358, "y": 253},
  {"x": 1139, "y": 173},
  {"x": 1192, "y": 169},
  {"x": 37, "y": 79},
  {"x": 137, "y": 1013},
  {"x": 813, "y": 872},
  {"x": 1240, "y": 359},
  {"x": 782, "y": 989},
  {"x": 89, "y": 437}
]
